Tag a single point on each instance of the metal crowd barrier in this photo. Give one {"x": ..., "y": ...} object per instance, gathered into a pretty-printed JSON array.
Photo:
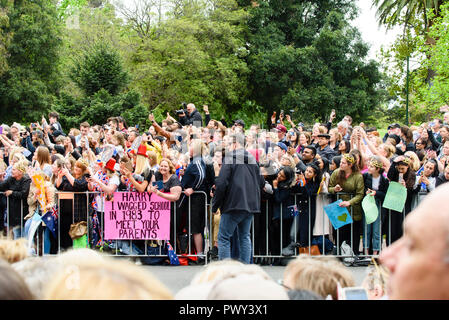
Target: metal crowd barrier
[
  {"x": 128, "y": 251},
  {"x": 268, "y": 252},
  {"x": 262, "y": 244}
]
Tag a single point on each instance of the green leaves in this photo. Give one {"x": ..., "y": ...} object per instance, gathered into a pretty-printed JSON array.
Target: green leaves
[
  {"x": 100, "y": 68},
  {"x": 31, "y": 80},
  {"x": 307, "y": 57}
]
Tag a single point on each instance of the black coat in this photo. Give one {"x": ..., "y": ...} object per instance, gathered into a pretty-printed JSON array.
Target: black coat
[
  {"x": 194, "y": 118},
  {"x": 75, "y": 209},
  {"x": 238, "y": 187},
  {"x": 20, "y": 189},
  {"x": 440, "y": 180},
  {"x": 383, "y": 186}
]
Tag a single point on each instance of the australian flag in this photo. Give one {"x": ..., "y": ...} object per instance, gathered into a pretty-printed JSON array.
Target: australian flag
[
  {"x": 172, "y": 255},
  {"x": 51, "y": 220}
]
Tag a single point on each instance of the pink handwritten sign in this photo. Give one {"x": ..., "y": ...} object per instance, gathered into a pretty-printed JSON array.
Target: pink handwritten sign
[{"x": 137, "y": 216}]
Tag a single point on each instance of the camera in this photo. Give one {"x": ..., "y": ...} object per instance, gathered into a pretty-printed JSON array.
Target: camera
[
  {"x": 181, "y": 111},
  {"x": 292, "y": 111}
]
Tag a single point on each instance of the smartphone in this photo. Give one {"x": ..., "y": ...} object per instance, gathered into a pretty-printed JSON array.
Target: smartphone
[
  {"x": 354, "y": 293},
  {"x": 1, "y": 130},
  {"x": 159, "y": 184}
]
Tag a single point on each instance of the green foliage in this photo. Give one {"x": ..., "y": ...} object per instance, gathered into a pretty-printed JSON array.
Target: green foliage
[
  {"x": 305, "y": 56},
  {"x": 195, "y": 57},
  {"x": 97, "y": 108},
  {"x": 100, "y": 68},
  {"x": 436, "y": 94},
  {"x": 29, "y": 85},
  {"x": 5, "y": 6}
]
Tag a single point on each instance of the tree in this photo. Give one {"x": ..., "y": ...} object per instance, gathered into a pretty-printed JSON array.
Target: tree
[
  {"x": 100, "y": 68},
  {"x": 102, "y": 78},
  {"x": 403, "y": 12},
  {"x": 31, "y": 81},
  {"x": 5, "y": 37},
  {"x": 196, "y": 56},
  {"x": 305, "y": 56},
  {"x": 432, "y": 97}
]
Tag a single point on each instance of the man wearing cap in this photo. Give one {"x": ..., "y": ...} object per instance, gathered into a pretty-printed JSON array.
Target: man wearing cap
[
  {"x": 239, "y": 124},
  {"x": 282, "y": 131},
  {"x": 280, "y": 149},
  {"x": 394, "y": 128},
  {"x": 324, "y": 150}
]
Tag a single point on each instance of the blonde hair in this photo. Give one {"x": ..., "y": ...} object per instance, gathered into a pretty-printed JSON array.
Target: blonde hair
[
  {"x": 105, "y": 279},
  {"x": 376, "y": 276},
  {"x": 13, "y": 250},
  {"x": 16, "y": 152},
  {"x": 199, "y": 148},
  {"x": 415, "y": 165},
  {"x": 337, "y": 134},
  {"x": 225, "y": 268},
  {"x": 152, "y": 157},
  {"x": 170, "y": 164},
  {"x": 141, "y": 164},
  {"x": 320, "y": 275},
  {"x": 389, "y": 149},
  {"x": 22, "y": 166}
]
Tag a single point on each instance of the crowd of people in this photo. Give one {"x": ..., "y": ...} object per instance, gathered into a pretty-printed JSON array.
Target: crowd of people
[{"x": 288, "y": 174}]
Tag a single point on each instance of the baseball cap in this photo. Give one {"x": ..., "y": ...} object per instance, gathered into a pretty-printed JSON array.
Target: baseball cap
[
  {"x": 281, "y": 128},
  {"x": 394, "y": 125},
  {"x": 282, "y": 146},
  {"x": 240, "y": 122}
]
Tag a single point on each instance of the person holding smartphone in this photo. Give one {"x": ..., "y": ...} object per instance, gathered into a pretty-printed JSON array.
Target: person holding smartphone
[{"x": 171, "y": 188}]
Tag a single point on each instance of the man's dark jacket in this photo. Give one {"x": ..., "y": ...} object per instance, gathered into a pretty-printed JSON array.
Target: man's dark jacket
[
  {"x": 239, "y": 185},
  {"x": 194, "y": 118}
]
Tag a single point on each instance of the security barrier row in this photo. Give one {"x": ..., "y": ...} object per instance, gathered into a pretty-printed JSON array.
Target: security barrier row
[{"x": 272, "y": 237}]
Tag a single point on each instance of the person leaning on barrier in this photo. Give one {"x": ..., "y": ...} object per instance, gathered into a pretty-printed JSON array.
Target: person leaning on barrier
[
  {"x": 376, "y": 185},
  {"x": 71, "y": 211},
  {"x": 171, "y": 190},
  {"x": 16, "y": 188},
  {"x": 307, "y": 202},
  {"x": 401, "y": 172},
  {"x": 194, "y": 179},
  {"x": 284, "y": 200},
  {"x": 419, "y": 260},
  {"x": 348, "y": 179}
]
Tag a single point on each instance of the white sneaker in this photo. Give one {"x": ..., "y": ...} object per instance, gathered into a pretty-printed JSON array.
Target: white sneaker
[{"x": 289, "y": 250}]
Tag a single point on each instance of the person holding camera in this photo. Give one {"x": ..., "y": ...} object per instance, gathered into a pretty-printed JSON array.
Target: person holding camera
[
  {"x": 189, "y": 115},
  {"x": 71, "y": 211}
]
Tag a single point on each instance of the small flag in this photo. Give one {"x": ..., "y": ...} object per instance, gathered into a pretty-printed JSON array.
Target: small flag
[{"x": 172, "y": 255}]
